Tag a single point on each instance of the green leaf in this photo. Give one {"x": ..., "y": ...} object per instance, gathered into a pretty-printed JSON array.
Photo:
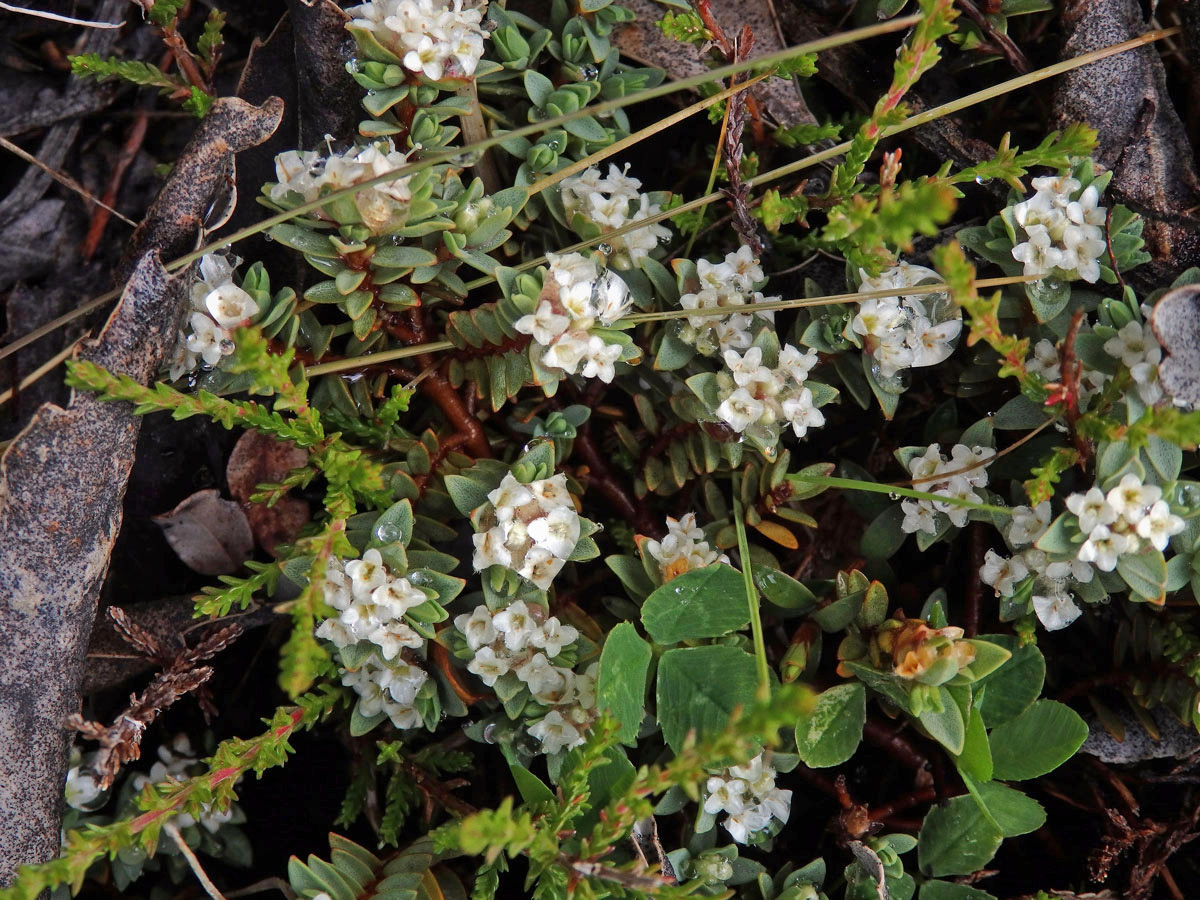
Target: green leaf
[
  {"x": 702, "y": 603},
  {"x": 1145, "y": 573},
  {"x": 403, "y": 257},
  {"x": 1014, "y": 812},
  {"x": 538, "y": 87},
  {"x": 976, "y": 756},
  {"x": 621, "y": 682},
  {"x": 884, "y": 536},
  {"x": 466, "y": 493},
  {"x": 957, "y": 838},
  {"x": 948, "y": 890},
  {"x": 396, "y": 524},
  {"x": 783, "y": 590},
  {"x": 1013, "y": 687},
  {"x": 699, "y": 687},
  {"x": 830, "y": 733},
  {"x": 1037, "y": 741},
  {"x": 532, "y": 789},
  {"x": 946, "y": 727}
]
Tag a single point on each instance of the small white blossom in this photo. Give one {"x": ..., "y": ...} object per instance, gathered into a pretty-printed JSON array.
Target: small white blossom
[
  {"x": 553, "y": 636},
  {"x": 1158, "y": 525},
  {"x": 207, "y": 339},
  {"x": 490, "y": 549},
  {"x": 919, "y": 515},
  {"x": 1131, "y": 499},
  {"x": 1055, "y": 610},
  {"x": 366, "y": 574},
  {"x": 82, "y": 789},
  {"x": 516, "y": 624},
  {"x": 740, "y": 410},
  {"x": 488, "y": 665},
  {"x": 229, "y": 305},
  {"x": 1091, "y": 509},
  {"x": 556, "y": 733},
  {"x": 437, "y": 38},
  {"x": 1002, "y": 574},
  {"x": 1027, "y": 525},
  {"x": 724, "y": 795},
  {"x": 476, "y": 627},
  {"x": 1102, "y": 548}
]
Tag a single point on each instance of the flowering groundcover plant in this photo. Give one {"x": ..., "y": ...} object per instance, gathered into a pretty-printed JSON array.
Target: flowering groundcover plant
[{"x": 651, "y": 555}]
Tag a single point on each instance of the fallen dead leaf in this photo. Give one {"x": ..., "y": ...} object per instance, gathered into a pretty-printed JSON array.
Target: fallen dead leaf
[
  {"x": 210, "y": 535},
  {"x": 1176, "y": 324},
  {"x": 258, "y": 459}
]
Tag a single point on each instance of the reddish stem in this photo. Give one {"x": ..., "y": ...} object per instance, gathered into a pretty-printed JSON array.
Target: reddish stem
[
  {"x": 601, "y": 477},
  {"x": 895, "y": 744}
]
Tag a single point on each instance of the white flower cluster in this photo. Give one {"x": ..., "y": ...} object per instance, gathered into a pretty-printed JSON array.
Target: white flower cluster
[
  {"x": 906, "y": 332},
  {"x": 1137, "y": 348},
  {"x": 611, "y": 203},
  {"x": 1117, "y": 523},
  {"x": 308, "y": 173},
  {"x": 518, "y": 639},
  {"x": 174, "y": 760},
  {"x": 683, "y": 549},
  {"x": 535, "y": 529},
  {"x": 218, "y": 307},
  {"x": 1052, "y": 600},
  {"x": 437, "y": 38},
  {"x": 750, "y": 798},
  {"x": 82, "y": 790},
  {"x": 964, "y": 471},
  {"x": 1062, "y": 234},
  {"x": 725, "y": 285},
  {"x": 754, "y": 397},
  {"x": 576, "y": 296},
  {"x": 371, "y": 604}
]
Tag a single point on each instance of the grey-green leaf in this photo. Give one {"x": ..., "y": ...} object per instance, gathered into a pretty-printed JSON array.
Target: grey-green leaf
[
  {"x": 702, "y": 603},
  {"x": 621, "y": 683},
  {"x": 698, "y": 688},
  {"x": 1036, "y": 742},
  {"x": 830, "y": 733}
]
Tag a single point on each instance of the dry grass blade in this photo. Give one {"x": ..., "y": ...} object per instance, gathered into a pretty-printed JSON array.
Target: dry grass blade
[
  {"x": 55, "y": 17},
  {"x": 65, "y": 180},
  {"x": 41, "y": 371}
]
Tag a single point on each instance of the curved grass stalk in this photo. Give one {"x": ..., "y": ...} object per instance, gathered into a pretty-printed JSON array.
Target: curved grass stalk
[
  {"x": 836, "y": 40},
  {"x": 756, "y": 627},
  {"x": 895, "y": 491},
  {"x": 370, "y": 359},
  {"x": 937, "y": 112}
]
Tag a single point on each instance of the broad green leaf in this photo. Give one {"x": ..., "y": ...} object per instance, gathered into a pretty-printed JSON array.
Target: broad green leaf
[
  {"x": 830, "y": 733},
  {"x": 1037, "y": 741},
  {"x": 466, "y": 493},
  {"x": 698, "y": 688},
  {"x": 702, "y": 603},
  {"x": 621, "y": 682},
  {"x": 988, "y": 657},
  {"x": 884, "y": 536},
  {"x": 532, "y": 789},
  {"x": 956, "y": 839},
  {"x": 1013, "y": 687},
  {"x": 396, "y": 524},
  {"x": 1014, "y": 812}
]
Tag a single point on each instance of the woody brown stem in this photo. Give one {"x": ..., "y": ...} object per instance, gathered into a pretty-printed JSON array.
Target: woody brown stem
[{"x": 604, "y": 480}]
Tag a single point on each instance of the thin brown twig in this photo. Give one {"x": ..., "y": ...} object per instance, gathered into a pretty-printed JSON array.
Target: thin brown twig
[
  {"x": 134, "y": 139},
  {"x": 193, "y": 862}
]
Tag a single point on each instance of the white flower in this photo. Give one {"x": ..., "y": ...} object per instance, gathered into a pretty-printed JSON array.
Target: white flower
[
  {"x": 553, "y": 636},
  {"x": 800, "y": 412},
  {"x": 1131, "y": 499},
  {"x": 393, "y": 636},
  {"x": 397, "y": 596},
  {"x": 183, "y": 360},
  {"x": 516, "y": 624},
  {"x": 426, "y": 58},
  {"x": 82, "y": 789},
  {"x": 488, "y": 666},
  {"x": 1158, "y": 525},
  {"x": 230, "y": 306},
  {"x": 557, "y": 531},
  {"x": 1056, "y": 610},
  {"x": 1103, "y": 547},
  {"x": 567, "y": 352},
  {"x": 919, "y": 515},
  {"x": 366, "y": 574},
  {"x": 509, "y": 495},
  {"x": 540, "y": 566},
  {"x": 208, "y": 340},
  {"x": 932, "y": 344},
  {"x": 336, "y": 633},
  {"x": 1037, "y": 253},
  {"x": 724, "y": 795},
  {"x": 748, "y": 822},
  {"x": 545, "y": 325},
  {"x": 797, "y": 364},
  {"x": 1027, "y": 525},
  {"x": 1133, "y": 344},
  {"x": 476, "y": 627},
  {"x": 1044, "y": 361},
  {"x": 490, "y": 549},
  {"x": 1002, "y": 574},
  {"x": 1091, "y": 509},
  {"x": 547, "y": 683},
  {"x": 778, "y": 803},
  {"x": 740, "y": 410},
  {"x": 556, "y": 733},
  {"x": 878, "y": 316},
  {"x": 599, "y": 359},
  {"x": 551, "y": 493},
  {"x": 296, "y": 170},
  {"x": 746, "y": 369}
]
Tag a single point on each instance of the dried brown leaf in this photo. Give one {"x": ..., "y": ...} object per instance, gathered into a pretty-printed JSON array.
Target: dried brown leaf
[{"x": 209, "y": 534}]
